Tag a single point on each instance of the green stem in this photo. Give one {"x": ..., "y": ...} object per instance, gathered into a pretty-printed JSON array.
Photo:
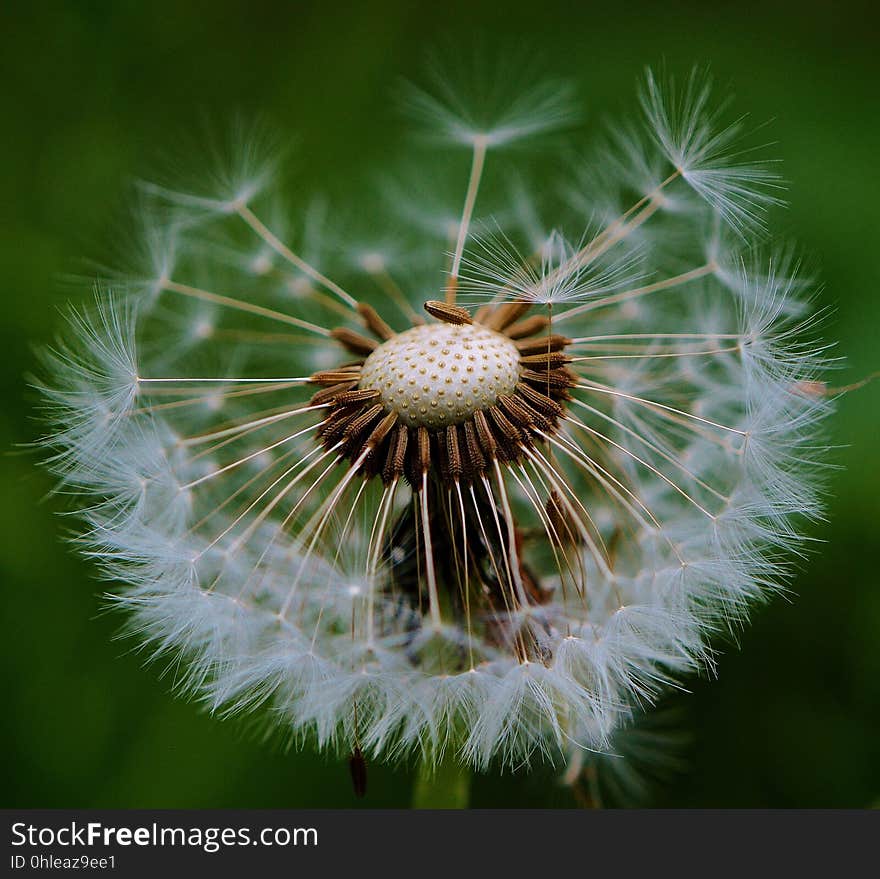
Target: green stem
[{"x": 445, "y": 786}]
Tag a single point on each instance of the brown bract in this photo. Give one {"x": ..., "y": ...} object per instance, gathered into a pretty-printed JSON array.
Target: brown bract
[{"x": 521, "y": 400}]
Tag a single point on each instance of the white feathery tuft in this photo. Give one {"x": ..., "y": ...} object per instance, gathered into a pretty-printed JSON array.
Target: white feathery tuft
[{"x": 705, "y": 150}]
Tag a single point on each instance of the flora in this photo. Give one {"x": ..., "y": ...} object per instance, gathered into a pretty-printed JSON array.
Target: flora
[{"x": 480, "y": 481}]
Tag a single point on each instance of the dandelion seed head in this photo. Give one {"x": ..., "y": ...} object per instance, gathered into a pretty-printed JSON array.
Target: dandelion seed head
[{"x": 486, "y": 482}]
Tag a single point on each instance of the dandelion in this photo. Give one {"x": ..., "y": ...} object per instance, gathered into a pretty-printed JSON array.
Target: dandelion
[{"x": 479, "y": 493}]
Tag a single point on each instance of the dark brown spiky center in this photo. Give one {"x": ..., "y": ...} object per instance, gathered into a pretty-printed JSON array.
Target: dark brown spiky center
[{"x": 408, "y": 405}]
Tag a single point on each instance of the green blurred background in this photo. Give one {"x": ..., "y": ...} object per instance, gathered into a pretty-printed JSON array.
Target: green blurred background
[{"x": 93, "y": 92}]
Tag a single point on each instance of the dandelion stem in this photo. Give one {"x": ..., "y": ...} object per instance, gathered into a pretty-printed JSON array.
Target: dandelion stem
[
  {"x": 665, "y": 284},
  {"x": 479, "y": 158},
  {"x": 445, "y": 786},
  {"x": 618, "y": 230},
  {"x": 433, "y": 597},
  {"x": 283, "y": 250},
  {"x": 229, "y": 302}
]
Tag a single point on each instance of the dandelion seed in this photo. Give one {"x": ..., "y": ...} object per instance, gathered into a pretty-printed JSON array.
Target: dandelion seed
[
  {"x": 739, "y": 187},
  {"x": 410, "y": 525},
  {"x": 559, "y": 272},
  {"x": 486, "y": 104}
]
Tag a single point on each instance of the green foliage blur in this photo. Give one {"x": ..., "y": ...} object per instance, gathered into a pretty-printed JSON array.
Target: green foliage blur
[{"x": 94, "y": 93}]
